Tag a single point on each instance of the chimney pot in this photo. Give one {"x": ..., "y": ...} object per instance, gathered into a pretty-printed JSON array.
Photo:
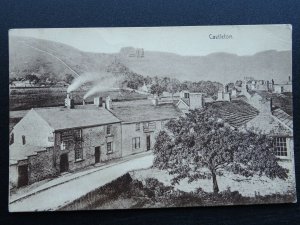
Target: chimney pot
[
  {"x": 98, "y": 101},
  {"x": 69, "y": 102},
  {"x": 108, "y": 103}
]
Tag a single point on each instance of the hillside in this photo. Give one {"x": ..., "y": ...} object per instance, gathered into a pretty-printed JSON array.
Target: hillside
[
  {"x": 29, "y": 55},
  {"x": 220, "y": 67},
  {"x": 47, "y": 58}
]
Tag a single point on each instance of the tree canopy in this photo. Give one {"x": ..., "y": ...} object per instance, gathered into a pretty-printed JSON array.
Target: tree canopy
[{"x": 200, "y": 146}]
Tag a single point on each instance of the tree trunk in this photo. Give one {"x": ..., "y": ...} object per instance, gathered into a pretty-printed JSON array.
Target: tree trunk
[{"x": 215, "y": 183}]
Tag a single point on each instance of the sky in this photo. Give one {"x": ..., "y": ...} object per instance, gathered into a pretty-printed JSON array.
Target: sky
[{"x": 196, "y": 40}]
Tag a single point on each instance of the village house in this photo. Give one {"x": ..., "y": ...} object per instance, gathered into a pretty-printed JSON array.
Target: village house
[
  {"x": 51, "y": 141},
  {"x": 275, "y": 122},
  {"x": 283, "y": 87},
  {"x": 224, "y": 94},
  {"x": 264, "y": 112},
  {"x": 189, "y": 101},
  {"x": 54, "y": 140},
  {"x": 141, "y": 122}
]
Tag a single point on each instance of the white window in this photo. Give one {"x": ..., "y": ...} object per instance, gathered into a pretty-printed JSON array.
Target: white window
[
  {"x": 109, "y": 147},
  {"x": 108, "y": 129},
  {"x": 280, "y": 146},
  {"x": 78, "y": 154},
  {"x": 136, "y": 143},
  {"x": 63, "y": 145}
]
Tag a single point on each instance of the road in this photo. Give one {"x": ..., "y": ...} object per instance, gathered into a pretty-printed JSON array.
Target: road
[{"x": 58, "y": 196}]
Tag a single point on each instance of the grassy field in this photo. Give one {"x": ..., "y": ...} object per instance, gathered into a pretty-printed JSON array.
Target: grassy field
[
  {"x": 23, "y": 99},
  {"x": 27, "y": 98},
  {"x": 129, "y": 191}
]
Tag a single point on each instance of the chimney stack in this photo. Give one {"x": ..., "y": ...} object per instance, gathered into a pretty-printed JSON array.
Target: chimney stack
[
  {"x": 98, "y": 101},
  {"x": 69, "y": 102},
  {"x": 155, "y": 101},
  {"x": 108, "y": 103}
]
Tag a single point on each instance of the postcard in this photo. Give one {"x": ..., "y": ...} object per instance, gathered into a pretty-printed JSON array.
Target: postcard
[{"x": 150, "y": 117}]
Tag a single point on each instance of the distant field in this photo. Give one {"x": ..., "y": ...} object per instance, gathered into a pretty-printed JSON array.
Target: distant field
[
  {"x": 23, "y": 99},
  {"x": 27, "y": 98}
]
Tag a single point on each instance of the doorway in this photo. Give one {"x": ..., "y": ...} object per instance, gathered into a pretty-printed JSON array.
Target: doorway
[
  {"x": 148, "y": 142},
  {"x": 97, "y": 154},
  {"x": 23, "y": 175},
  {"x": 64, "y": 163}
]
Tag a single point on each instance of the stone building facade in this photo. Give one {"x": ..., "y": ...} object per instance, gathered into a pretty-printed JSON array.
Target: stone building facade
[{"x": 51, "y": 141}]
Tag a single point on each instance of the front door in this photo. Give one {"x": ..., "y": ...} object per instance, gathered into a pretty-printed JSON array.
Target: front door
[
  {"x": 148, "y": 142},
  {"x": 97, "y": 154},
  {"x": 23, "y": 175},
  {"x": 64, "y": 163}
]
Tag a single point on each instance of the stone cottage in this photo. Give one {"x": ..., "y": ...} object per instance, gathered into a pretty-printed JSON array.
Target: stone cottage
[{"x": 51, "y": 141}]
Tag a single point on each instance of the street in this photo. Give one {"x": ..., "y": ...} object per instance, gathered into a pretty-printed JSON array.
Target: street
[{"x": 52, "y": 198}]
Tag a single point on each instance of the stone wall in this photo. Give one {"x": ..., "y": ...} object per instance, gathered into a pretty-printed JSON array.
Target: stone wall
[
  {"x": 41, "y": 166},
  {"x": 129, "y": 132},
  {"x": 91, "y": 137}
]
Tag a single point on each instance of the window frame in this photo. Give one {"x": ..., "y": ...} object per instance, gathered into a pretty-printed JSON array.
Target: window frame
[
  {"x": 63, "y": 145},
  {"x": 12, "y": 138},
  {"x": 78, "y": 154},
  {"x": 136, "y": 143},
  {"x": 281, "y": 147},
  {"x": 110, "y": 149},
  {"x": 23, "y": 139},
  {"x": 137, "y": 126},
  {"x": 108, "y": 129}
]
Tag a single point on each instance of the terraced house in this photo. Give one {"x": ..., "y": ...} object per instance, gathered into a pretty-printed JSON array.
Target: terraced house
[
  {"x": 141, "y": 122},
  {"x": 54, "y": 140},
  {"x": 51, "y": 141}
]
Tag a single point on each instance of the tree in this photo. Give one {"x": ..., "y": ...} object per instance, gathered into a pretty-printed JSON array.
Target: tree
[
  {"x": 156, "y": 89},
  {"x": 32, "y": 78},
  {"x": 201, "y": 146},
  {"x": 239, "y": 83},
  {"x": 69, "y": 78},
  {"x": 173, "y": 86}
]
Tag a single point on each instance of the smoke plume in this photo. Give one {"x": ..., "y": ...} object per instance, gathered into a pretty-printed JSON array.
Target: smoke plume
[
  {"x": 87, "y": 78},
  {"x": 104, "y": 84}
]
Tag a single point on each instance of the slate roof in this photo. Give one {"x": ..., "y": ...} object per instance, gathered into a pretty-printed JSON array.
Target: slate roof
[
  {"x": 60, "y": 118},
  {"x": 283, "y": 101},
  {"x": 143, "y": 111},
  {"x": 21, "y": 152},
  {"x": 237, "y": 113},
  {"x": 283, "y": 117}
]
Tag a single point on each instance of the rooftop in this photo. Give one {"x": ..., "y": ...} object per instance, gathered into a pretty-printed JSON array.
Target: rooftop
[
  {"x": 60, "y": 118},
  {"x": 144, "y": 110},
  {"x": 283, "y": 101},
  {"x": 21, "y": 152},
  {"x": 237, "y": 113},
  {"x": 283, "y": 117}
]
